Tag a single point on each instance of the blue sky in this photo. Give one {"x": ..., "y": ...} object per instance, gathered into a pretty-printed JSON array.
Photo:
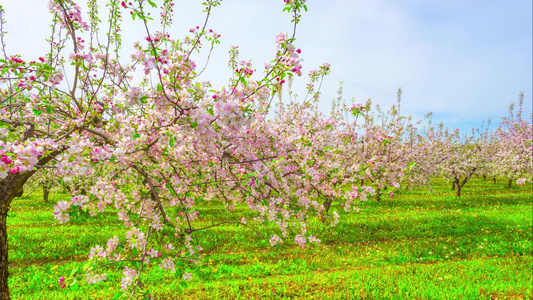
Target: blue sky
[{"x": 465, "y": 61}]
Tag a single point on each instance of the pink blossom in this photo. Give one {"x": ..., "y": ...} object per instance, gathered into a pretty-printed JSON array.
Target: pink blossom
[
  {"x": 187, "y": 276},
  {"x": 168, "y": 264},
  {"x": 274, "y": 240},
  {"x": 300, "y": 240}
]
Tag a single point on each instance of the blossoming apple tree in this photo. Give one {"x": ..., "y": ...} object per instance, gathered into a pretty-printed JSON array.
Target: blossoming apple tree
[
  {"x": 166, "y": 139},
  {"x": 514, "y": 151},
  {"x": 388, "y": 153},
  {"x": 459, "y": 156}
]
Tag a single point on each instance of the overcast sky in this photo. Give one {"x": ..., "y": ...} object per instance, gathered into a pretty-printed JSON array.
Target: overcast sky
[{"x": 463, "y": 60}]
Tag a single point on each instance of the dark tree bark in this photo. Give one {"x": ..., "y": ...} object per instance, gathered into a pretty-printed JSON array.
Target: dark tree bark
[
  {"x": 4, "y": 258},
  {"x": 327, "y": 204},
  {"x": 484, "y": 177},
  {"x": 10, "y": 187},
  {"x": 378, "y": 195},
  {"x": 459, "y": 184},
  {"x": 453, "y": 185},
  {"x": 457, "y": 187},
  {"x": 494, "y": 179},
  {"x": 510, "y": 183},
  {"x": 46, "y": 192}
]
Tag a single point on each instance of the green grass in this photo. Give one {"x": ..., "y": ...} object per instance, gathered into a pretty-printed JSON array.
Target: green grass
[{"x": 417, "y": 245}]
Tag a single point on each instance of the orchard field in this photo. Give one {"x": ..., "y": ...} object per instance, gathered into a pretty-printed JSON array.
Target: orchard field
[
  {"x": 125, "y": 173},
  {"x": 416, "y": 245}
]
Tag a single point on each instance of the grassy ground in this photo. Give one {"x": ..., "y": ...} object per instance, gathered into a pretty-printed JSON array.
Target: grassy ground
[{"x": 416, "y": 245}]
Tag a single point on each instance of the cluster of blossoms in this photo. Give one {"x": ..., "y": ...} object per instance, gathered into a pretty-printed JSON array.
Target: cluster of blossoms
[
  {"x": 17, "y": 158},
  {"x": 60, "y": 212},
  {"x": 274, "y": 240},
  {"x": 68, "y": 13},
  {"x": 294, "y": 2},
  {"x": 521, "y": 181},
  {"x": 288, "y": 56},
  {"x": 129, "y": 277}
]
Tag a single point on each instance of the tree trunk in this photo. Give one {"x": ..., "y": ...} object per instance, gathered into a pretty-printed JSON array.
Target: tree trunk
[
  {"x": 484, "y": 177},
  {"x": 362, "y": 182},
  {"x": 10, "y": 187},
  {"x": 378, "y": 194},
  {"x": 327, "y": 204},
  {"x": 457, "y": 186},
  {"x": 46, "y": 192},
  {"x": 457, "y": 190},
  {"x": 510, "y": 183},
  {"x": 453, "y": 185},
  {"x": 494, "y": 179}
]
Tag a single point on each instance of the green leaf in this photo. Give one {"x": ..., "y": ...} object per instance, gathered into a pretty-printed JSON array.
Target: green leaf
[
  {"x": 88, "y": 265},
  {"x": 37, "y": 112},
  {"x": 75, "y": 286},
  {"x": 74, "y": 282},
  {"x": 152, "y": 3},
  {"x": 160, "y": 87},
  {"x": 172, "y": 142},
  {"x": 194, "y": 124},
  {"x": 136, "y": 135},
  {"x": 118, "y": 295}
]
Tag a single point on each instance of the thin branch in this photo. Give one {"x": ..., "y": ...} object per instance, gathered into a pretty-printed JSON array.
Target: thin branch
[
  {"x": 221, "y": 223},
  {"x": 153, "y": 191}
]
